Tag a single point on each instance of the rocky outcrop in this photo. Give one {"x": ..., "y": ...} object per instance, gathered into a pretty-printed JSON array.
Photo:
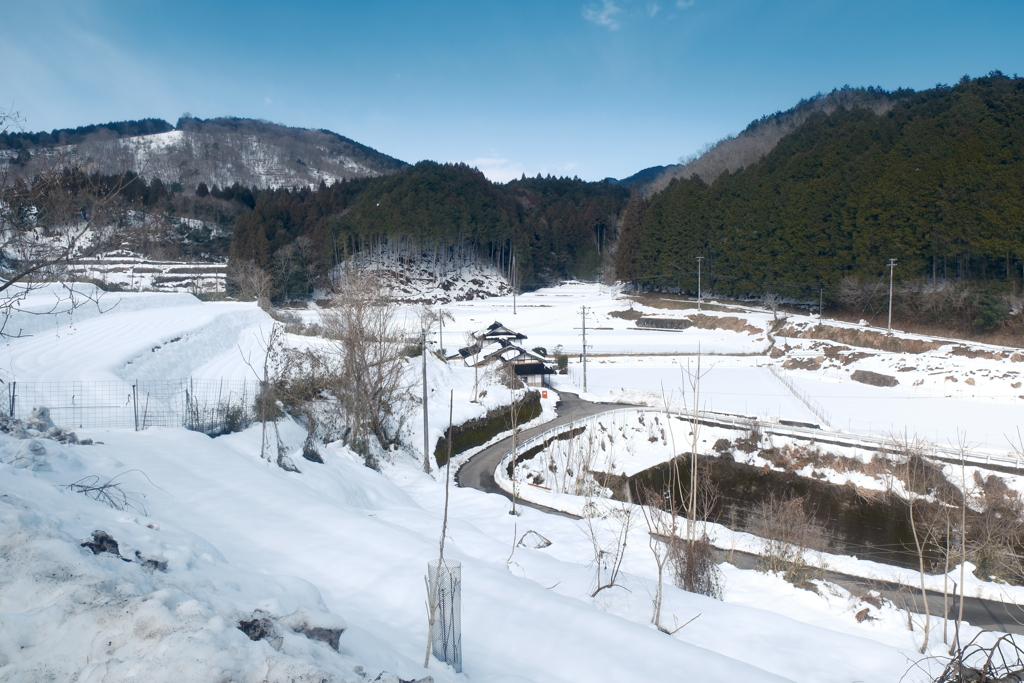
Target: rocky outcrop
[{"x": 875, "y": 379}]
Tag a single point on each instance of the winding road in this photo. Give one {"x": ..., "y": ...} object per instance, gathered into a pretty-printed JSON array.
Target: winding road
[
  {"x": 992, "y": 615},
  {"x": 478, "y": 471}
]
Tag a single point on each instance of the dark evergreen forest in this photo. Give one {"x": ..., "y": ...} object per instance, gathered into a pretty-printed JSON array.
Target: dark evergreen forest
[
  {"x": 937, "y": 183},
  {"x": 555, "y": 227}
]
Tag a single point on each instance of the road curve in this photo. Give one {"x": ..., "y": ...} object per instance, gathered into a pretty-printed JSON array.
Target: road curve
[{"x": 478, "y": 473}]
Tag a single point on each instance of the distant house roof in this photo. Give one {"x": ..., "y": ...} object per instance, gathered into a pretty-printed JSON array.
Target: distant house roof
[
  {"x": 521, "y": 369},
  {"x": 495, "y": 333},
  {"x": 499, "y": 331},
  {"x": 510, "y": 353}
]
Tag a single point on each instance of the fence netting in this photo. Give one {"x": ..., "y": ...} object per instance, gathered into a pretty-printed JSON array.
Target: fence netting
[
  {"x": 446, "y": 586},
  {"x": 211, "y": 406}
]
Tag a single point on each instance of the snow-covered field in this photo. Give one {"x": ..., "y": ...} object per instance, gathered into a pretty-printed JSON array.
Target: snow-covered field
[
  {"x": 128, "y": 271},
  {"x": 211, "y": 533},
  {"x": 985, "y": 402}
]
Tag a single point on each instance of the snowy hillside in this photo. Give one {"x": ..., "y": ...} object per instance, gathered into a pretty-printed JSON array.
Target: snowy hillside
[
  {"x": 215, "y": 545},
  {"x": 223, "y": 152}
]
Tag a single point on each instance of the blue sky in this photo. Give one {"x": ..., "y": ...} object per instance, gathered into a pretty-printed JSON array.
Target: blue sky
[{"x": 593, "y": 88}]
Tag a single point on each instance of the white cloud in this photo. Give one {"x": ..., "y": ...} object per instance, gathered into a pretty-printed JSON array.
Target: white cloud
[
  {"x": 685, "y": 4},
  {"x": 267, "y": 101},
  {"x": 653, "y": 9},
  {"x": 497, "y": 169},
  {"x": 604, "y": 15}
]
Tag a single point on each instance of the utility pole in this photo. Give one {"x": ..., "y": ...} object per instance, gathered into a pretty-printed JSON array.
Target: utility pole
[
  {"x": 426, "y": 436},
  {"x": 584, "y": 348},
  {"x": 513, "y": 283},
  {"x": 892, "y": 264},
  {"x": 699, "y": 259},
  {"x": 440, "y": 334}
]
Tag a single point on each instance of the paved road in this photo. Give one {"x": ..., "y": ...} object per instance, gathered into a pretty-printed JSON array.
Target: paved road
[
  {"x": 478, "y": 473},
  {"x": 991, "y": 615}
]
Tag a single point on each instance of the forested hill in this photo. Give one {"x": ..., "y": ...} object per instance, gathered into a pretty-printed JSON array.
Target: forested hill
[
  {"x": 937, "y": 182},
  {"x": 221, "y": 151},
  {"x": 555, "y": 227}
]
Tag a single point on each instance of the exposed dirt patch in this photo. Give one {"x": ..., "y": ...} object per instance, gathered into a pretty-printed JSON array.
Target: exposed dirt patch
[
  {"x": 629, "y": 314},
  {"x": 848, "y": 358},
  {"x": 803, "y": 363},
  {"x": 673, "y": 302},
  {"x": 976, "y": 353},
  {"x": 663, "y": 323},
  {"x": 863, "y": 338},
  {"x": 728, "y": 322},
  {"x": 875, "y": 379}
]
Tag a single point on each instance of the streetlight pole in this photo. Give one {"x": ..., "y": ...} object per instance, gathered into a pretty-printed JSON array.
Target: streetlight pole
[{"x": 892, "y": 264}]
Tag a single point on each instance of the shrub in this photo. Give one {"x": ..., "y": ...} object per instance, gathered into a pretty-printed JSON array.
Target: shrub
[{"x": 481, "y": 430}]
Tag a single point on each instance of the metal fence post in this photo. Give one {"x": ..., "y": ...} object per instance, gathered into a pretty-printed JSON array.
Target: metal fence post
[{"x": 135, "y": 403}]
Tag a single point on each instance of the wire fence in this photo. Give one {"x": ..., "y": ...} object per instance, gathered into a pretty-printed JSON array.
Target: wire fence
[
  {"x": 802, "y": 396},
  {"x": 444, "y": 579},
  {"x": 211, "y": 406}
]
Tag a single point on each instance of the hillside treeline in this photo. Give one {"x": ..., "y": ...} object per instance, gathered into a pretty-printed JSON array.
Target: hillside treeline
[
  {"x": 555, "y": 227},
  {"x": 936, "y": 182},
  {"x": 71, "y": 136}
]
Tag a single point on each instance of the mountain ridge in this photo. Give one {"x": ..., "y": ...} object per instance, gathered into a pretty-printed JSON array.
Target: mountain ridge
[{"x": 220, "y": 151}]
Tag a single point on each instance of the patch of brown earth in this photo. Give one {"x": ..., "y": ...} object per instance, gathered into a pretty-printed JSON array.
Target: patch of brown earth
[
  {"x": 863, "y": 338},
  {"x": 977, "y": 353},
  {"x": 803, "y": 363},
  {"x": 728, "y": 322},
  {"x": 875, "y": 379},
  {"x": 836, "y": 353},
  {"x": 629, "y": 314}
]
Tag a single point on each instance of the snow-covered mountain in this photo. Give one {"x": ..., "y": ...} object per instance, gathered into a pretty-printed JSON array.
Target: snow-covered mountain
[{"x": 216, "y": 151}]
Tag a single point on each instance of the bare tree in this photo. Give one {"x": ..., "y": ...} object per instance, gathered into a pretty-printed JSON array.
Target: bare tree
[
  {"x": 271, "y": 375},
  {"x": 285, "y": 267},
  {"x": 433, "y": 593},
  {"x": 47, "y": 222},
  {"x": 608, "y": 556},
  {"x": 771, "y": 301},
  {"x": 366, "y": 382},
  {"x": 662, "y": 529},
  {"x": 252, "y": 281},
  {"x": 788, "y": 530},
  {"x": 305, "y": 254},
  {"x": 914, "y": 472}
]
